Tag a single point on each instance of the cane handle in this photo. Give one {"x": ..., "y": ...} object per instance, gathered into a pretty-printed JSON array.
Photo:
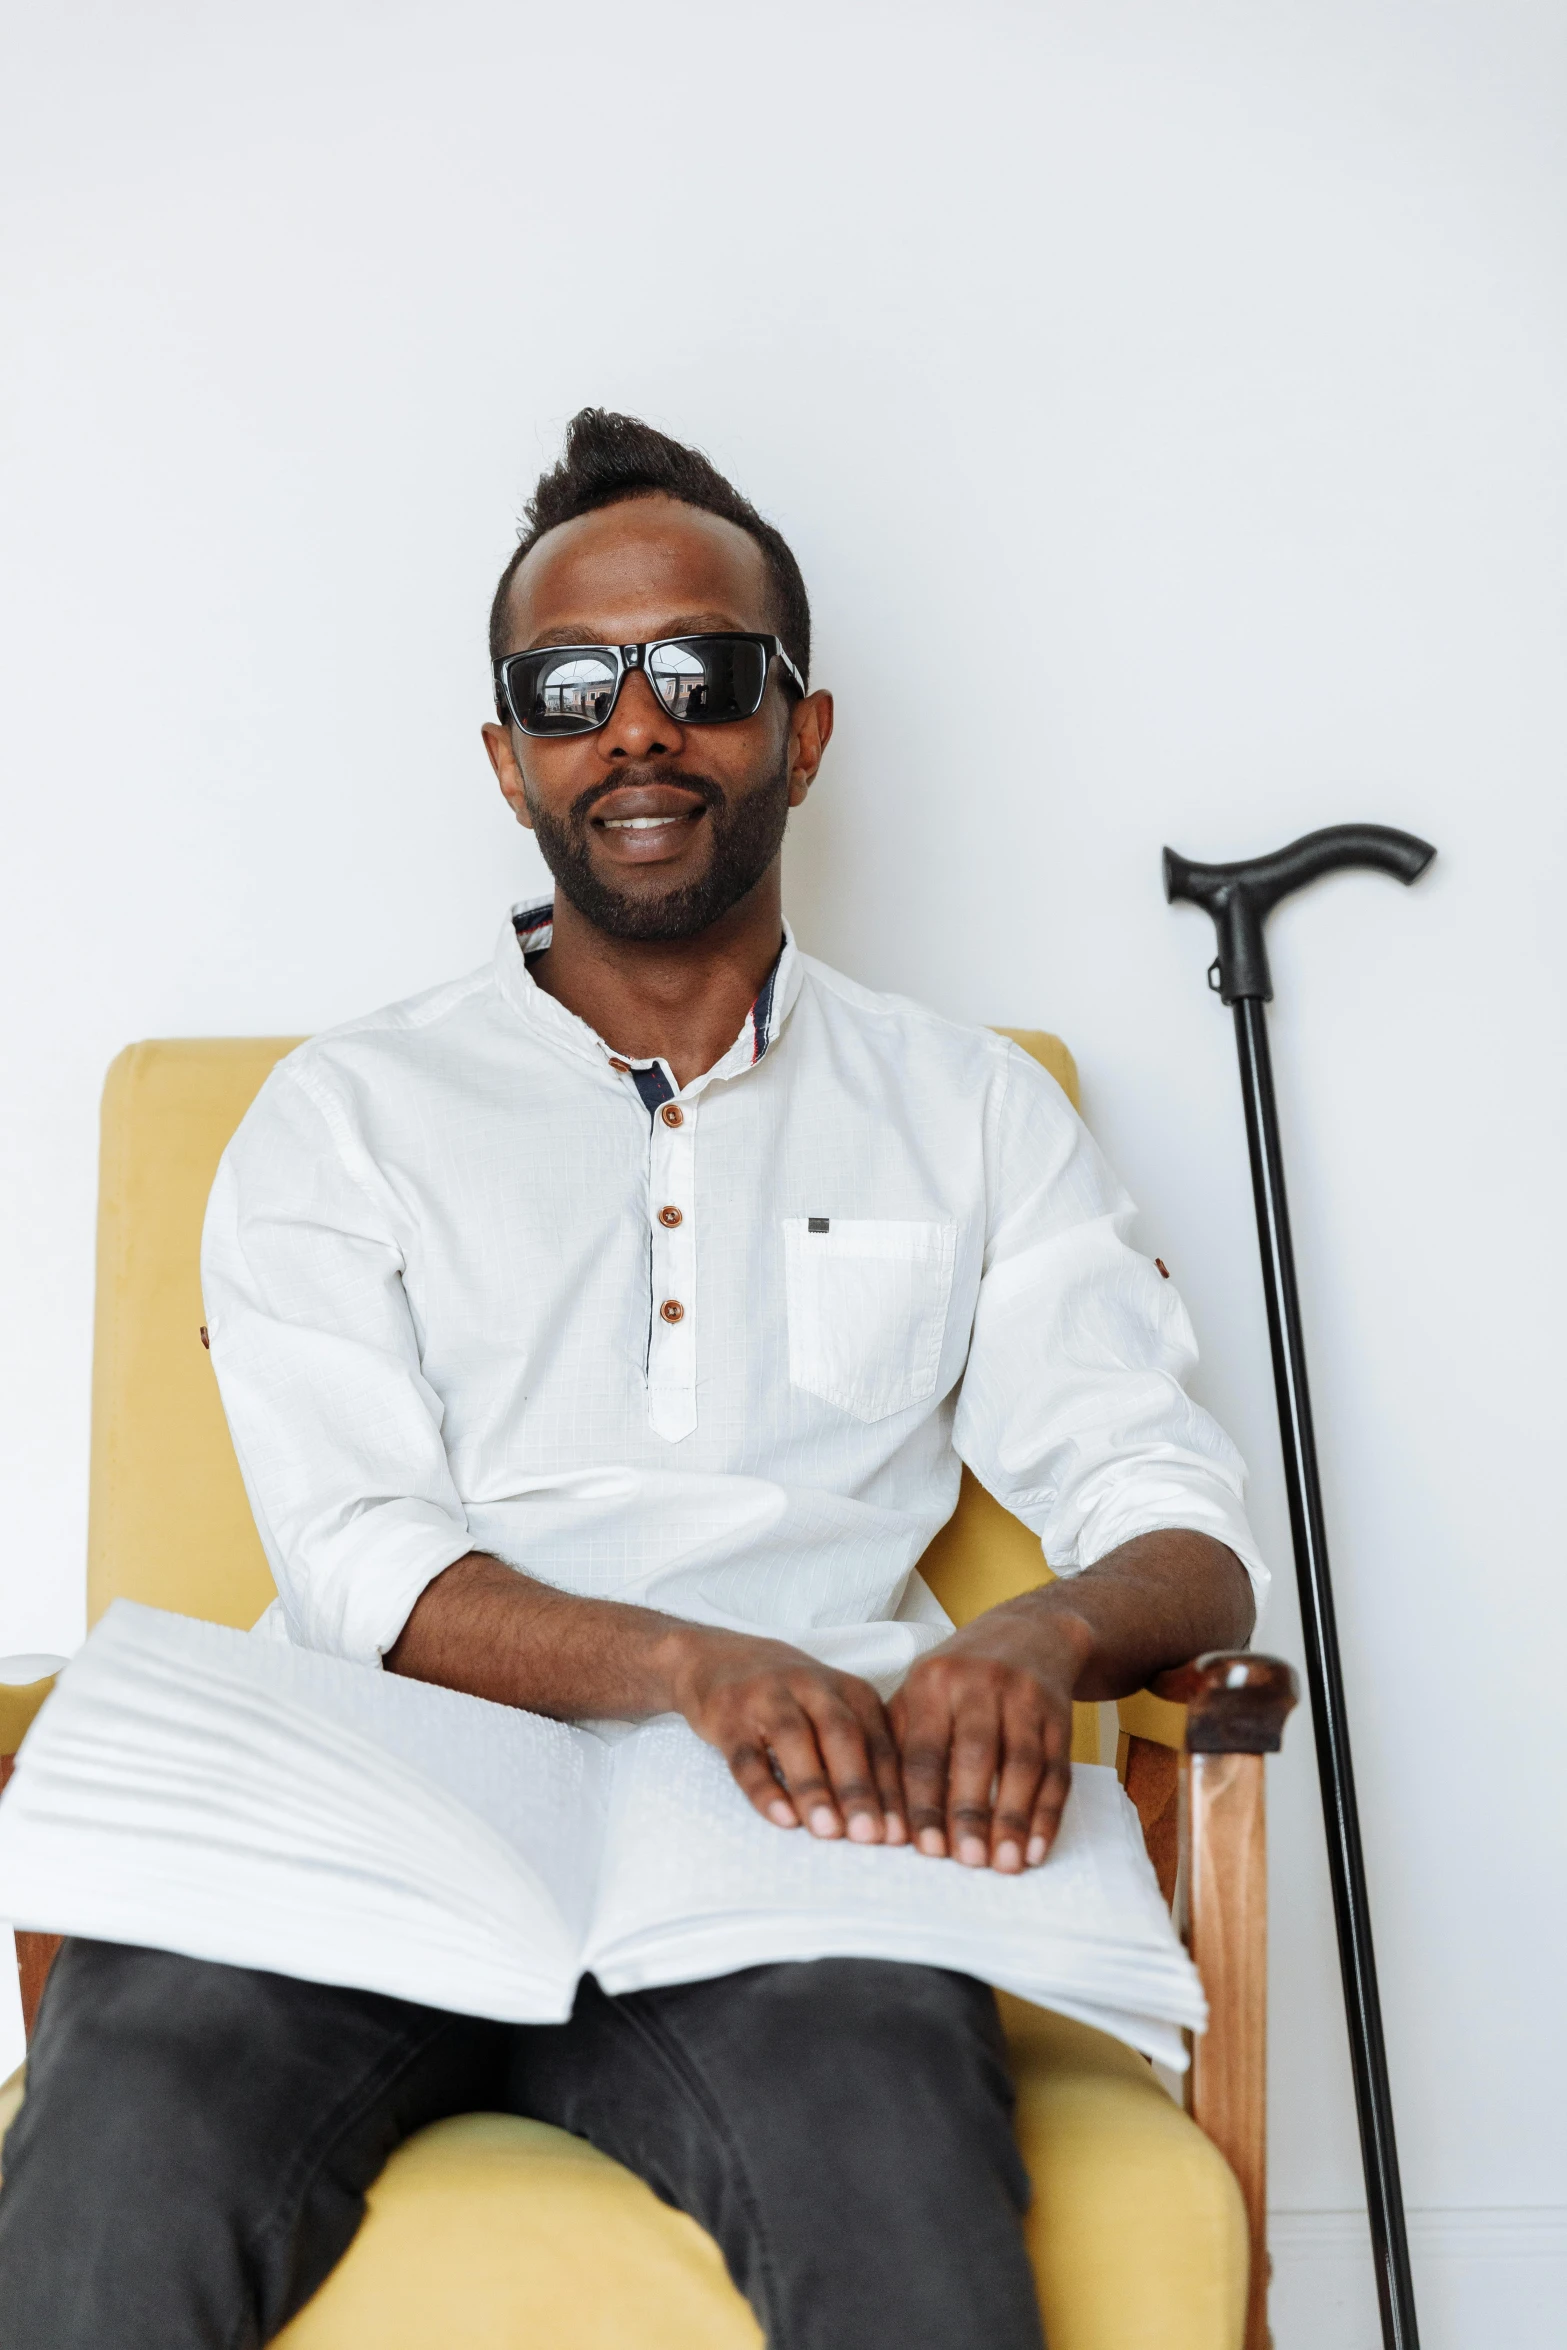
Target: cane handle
[{"x": 1240, "y": 897}]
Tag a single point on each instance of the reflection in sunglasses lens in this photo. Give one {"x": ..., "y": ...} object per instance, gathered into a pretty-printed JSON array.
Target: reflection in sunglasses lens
[
  {"x": 708, "y": 680},
  {"x": 679, "y": 678},
  {"x": 571, "y": 694}
]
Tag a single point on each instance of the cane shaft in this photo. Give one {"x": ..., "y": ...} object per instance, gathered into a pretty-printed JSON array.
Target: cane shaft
[{"x": 1330, "y": 1724}]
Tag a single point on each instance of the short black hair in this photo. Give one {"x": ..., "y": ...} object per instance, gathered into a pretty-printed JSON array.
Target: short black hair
[{"x": 608, "y": 458}]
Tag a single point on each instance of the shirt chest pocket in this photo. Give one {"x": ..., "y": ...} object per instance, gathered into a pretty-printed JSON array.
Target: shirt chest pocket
[{"x": 867, "y": 1304}]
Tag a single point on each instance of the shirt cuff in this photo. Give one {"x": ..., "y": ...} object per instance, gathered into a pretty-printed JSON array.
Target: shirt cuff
[
  {"x": 1180, "y": 1508},
  {"x": 356, "y": 1604}
]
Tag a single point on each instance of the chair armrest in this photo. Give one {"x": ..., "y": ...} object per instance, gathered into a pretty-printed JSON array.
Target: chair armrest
[
  {"x": 1236, "y": 1706},
  {"x": 1193, "y": 1745},
  {"x": 1229, "y": 1702},
  {"x": 1236, "y": 1697},
  {"x": 1236, "y": 1702},
  {"x": 25, "y": 1681}
]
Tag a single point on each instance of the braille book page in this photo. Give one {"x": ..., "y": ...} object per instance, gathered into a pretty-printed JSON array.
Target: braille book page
[
  {"x": 194, "y": 1789},
  {"x": 695, "y": 1883}
]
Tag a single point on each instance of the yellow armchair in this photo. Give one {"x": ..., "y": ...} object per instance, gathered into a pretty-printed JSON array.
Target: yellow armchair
[{"x": 504, "y": 2234}]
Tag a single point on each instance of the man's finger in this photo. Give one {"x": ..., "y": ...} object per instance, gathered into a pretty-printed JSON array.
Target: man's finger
[
  {"x": 842, "y": 1740},
  {"x": 1052, "y": 1795},
  {"x": 971, "y": 1775},
  {"x": 754, "y": 1775},
  {"x": 922, "y": 1726},
  {"x": 1022, "y": 1771},
  {"x": 881, "y": 1748},
  {"x": 793, "y": 1738}
]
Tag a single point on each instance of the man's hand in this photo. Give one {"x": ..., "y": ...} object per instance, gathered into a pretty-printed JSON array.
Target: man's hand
[
  {"x": 809, "y": 1746},
  {"x": 984, "y": 1726},
  {"x": 984, "y": 1722}
]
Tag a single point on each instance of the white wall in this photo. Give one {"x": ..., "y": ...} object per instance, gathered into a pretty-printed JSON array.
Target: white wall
[{"x": 1206, "y": 358}]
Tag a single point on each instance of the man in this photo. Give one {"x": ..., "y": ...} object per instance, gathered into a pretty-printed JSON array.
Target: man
[{"x": 602, "y": 1334}]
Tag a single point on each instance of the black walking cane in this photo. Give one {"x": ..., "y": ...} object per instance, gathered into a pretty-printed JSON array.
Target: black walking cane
[{"x": 1240, "y": 898}]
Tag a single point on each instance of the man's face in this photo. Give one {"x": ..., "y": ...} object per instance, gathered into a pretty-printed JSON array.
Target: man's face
[{"x": 718, "y": 796}]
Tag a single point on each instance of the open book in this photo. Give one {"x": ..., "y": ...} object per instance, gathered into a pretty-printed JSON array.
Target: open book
[{"x": 195, "y": 1789}]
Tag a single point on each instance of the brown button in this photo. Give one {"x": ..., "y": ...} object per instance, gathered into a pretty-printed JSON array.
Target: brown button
[
  {"x": 672, "y": 1114},
  {"x": 671, "y": 1217},
  {"x": 623, "y": 1067},
  {"x": 672, "y": 1310},
  {"x": 1163, "y": 1267},
  {"x": 205, "y": 1340}
]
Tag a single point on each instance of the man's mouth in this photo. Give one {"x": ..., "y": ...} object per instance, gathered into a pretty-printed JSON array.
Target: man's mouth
[
  {"x": 646, "y": 823},
  {"x": 649, "y": 820}
]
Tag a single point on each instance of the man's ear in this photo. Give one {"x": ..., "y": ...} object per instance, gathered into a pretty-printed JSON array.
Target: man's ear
[
  {"x": 810, "y": 731},
  {"x": 497, "y": 742}
]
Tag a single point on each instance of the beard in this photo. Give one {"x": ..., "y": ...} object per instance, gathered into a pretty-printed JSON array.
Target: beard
[{"x": 747, "y": 835}]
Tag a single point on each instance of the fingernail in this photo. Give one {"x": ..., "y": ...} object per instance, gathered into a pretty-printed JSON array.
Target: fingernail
[
  {"x": 897, "y": 1833},
  {"x": 1008, "y": 1857},
  {"x": 1036, "y": 1851},
  {"x": 823, "y": 1821},
  {"x": 931, "y": 1840},
  {"x": 784, "y": 1814},
  {"x": 972, "y": 1853},
  {"x": 862, "y": 1829}
]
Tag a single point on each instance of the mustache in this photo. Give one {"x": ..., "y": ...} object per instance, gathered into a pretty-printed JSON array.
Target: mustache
[{"x": 644, "y": 772}]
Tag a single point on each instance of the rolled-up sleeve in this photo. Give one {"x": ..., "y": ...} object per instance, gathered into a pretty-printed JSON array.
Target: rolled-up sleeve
[
  {"x": 1073, "y": 1409},
  {"x": 337, "y": 1432}
]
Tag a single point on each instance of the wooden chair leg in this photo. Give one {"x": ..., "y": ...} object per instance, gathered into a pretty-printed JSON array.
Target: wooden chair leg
[
  {"x": 1227, "y": 1907},
  {"x": 34, "y": 1952},
  {"x": 35, "y": 1955},
  {"x": 1152, "y": 1782}
]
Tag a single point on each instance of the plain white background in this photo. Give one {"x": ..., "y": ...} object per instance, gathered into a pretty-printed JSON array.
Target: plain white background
[{"x": 1197, "y": 370}]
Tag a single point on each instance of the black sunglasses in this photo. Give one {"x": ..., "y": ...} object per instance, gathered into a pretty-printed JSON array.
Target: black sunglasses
[{"x": 701, "y": 681}]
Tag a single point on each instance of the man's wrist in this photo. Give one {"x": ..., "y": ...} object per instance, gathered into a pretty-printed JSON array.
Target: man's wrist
[
  {"x": 1039, "y": 1630},
  {"x": 689, "y": 1653},
  {"x": 677, "y": 1661}
]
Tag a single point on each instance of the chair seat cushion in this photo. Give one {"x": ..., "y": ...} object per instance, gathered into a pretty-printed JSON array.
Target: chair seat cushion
[
  {"x": 509, "y": 2235},
  {"x": 497, "y": 2234}
]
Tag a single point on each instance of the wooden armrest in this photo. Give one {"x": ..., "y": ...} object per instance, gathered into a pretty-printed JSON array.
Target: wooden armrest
[
  {"x": 25, "y": 1681},
  {"x": 1194, "y": 1742},
  {"x": 1230, "y": 1702},
  {"x": 1203, "y": 1817},
  {"x": 1236, "y": 1703},
  {"x": 1240, "y": 1702}
]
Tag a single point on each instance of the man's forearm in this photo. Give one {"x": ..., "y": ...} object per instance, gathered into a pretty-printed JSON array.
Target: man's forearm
[
  {"x": 491, "y": 1631},
  {"x": 1155, "y": 1602}
]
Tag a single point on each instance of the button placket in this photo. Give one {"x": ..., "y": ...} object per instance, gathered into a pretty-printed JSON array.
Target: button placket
[{"x": 671, "y": 1366}]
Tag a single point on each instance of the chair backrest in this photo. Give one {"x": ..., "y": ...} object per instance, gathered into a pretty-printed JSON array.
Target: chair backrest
[{"x": 168, "y": 1520}]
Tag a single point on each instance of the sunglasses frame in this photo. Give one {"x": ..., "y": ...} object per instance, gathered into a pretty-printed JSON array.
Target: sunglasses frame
[{"x": 629, "y": 657}]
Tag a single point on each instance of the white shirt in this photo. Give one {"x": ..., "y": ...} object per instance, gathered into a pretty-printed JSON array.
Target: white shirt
[{"x": 475, "y": 1281}]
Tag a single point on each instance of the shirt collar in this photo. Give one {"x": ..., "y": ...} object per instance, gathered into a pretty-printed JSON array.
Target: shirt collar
[{"x": 529, "y": 928}]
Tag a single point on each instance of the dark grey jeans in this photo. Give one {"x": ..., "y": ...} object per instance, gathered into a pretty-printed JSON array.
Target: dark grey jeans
[{"x": 194, "y": 2149}]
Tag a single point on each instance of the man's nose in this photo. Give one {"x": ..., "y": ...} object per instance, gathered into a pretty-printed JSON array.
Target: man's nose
[{"x": 639, "y": 726}]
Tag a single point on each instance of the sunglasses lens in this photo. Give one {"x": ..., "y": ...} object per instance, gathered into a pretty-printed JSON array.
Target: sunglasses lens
[
  {"x": 569, "y": 691},
  {"x": 709, "y": 680}
]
